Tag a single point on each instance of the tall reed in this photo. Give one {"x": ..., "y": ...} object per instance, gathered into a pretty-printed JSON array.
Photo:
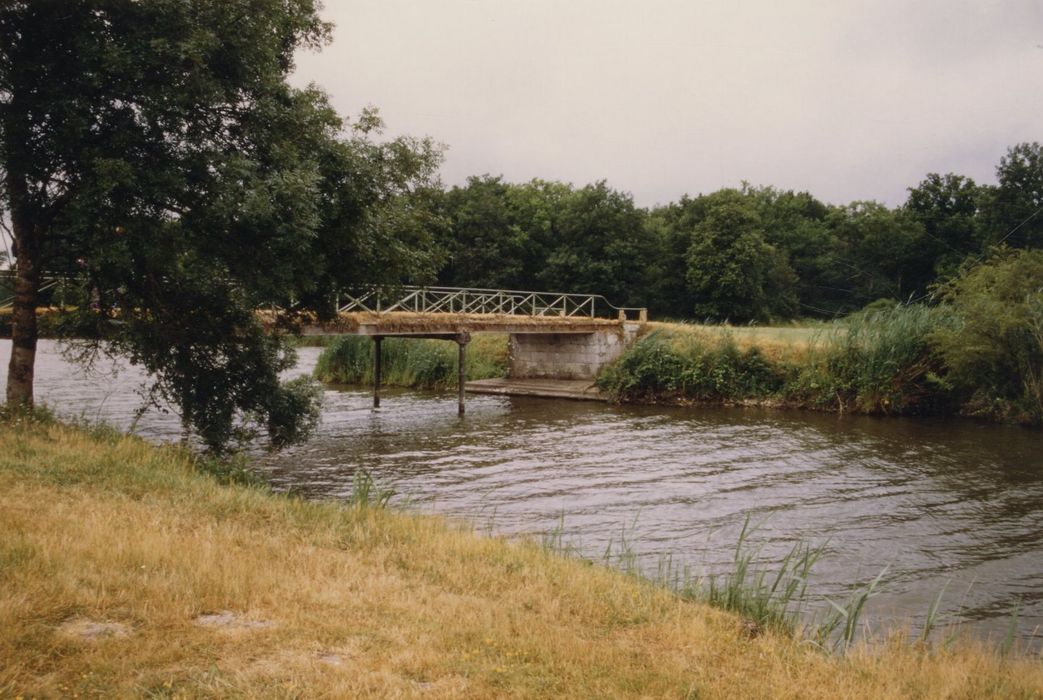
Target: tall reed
[
  {"x": 879, "y": 361},
  {"x": 421, "y": 364},
  {"x": 766, "y": 597}
]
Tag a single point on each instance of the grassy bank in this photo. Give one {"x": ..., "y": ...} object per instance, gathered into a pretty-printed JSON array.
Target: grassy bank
[
  {"x": 873, "y": 363},
  {"x": 419, "y": 364},
  {"x": 126, "y": 571},
  {"x": 975, "y": 349},
  {"x": 892, "y": 361}
]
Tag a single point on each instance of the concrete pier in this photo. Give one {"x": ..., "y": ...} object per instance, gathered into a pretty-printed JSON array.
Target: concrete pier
[
  {"x": 567, "y": 355},
  {"x": 552, "y": 356}
]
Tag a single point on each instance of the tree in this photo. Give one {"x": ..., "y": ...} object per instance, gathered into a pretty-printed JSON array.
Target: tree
[
  {"x": 486, "y": 239},
  {"x": 1012, "y": 208},
  {"x": 154, "y": 153},
  {"x": 733, "y": 272},
  {"x": 993, "y": 353},
  {"x": 875, "y": 247},
  {"x": 549, "y": 236},
  {"x": 796, "y": 224},
  {"x": 600, "y": 246},
  {"x": 947, "y": 208},
  {"x": 668, "y": 288}
]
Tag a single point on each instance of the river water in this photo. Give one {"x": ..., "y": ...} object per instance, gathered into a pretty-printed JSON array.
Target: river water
[{"x": 941, "y": 504}]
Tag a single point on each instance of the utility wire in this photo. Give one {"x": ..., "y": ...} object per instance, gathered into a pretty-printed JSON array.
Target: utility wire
[
  {"x": 981, "y": 256},
  {"x": 1027, "y": 219}
]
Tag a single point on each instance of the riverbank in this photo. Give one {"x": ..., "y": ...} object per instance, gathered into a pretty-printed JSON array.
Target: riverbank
[
  {"x": 901, "y": 360},
  {"x": 126, "y": 570}
]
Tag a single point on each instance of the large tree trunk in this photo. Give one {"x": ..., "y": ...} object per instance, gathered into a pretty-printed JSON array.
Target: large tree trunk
[{"x": 27, "y": 293}]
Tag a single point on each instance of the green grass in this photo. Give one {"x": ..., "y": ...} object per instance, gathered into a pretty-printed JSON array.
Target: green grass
[
  {"x": 878, "y": 361},
  {"x": 420, "y": 364}
]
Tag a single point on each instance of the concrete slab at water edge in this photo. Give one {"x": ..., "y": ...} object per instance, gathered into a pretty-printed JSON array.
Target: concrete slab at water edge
[{"x": 580, "y": 389}]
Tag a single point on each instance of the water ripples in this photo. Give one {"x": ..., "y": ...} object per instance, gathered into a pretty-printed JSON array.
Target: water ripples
[{"x": 954, "y": 504}]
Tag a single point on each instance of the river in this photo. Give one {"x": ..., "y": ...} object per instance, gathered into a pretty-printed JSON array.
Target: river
[{"x": 942, "y": 504}]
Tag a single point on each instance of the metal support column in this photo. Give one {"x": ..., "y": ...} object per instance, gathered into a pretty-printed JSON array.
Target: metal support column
[
  {"x": 462, "y": 341},
  {"x": 377, "y": 367}
]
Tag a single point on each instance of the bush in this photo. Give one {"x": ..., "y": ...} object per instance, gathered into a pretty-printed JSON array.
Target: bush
[
  {"x": 881, "y": 361},
  {"x": 993, "y": 351},
  {"x": 722, "y": 371},
  {"x": 293, "y": 411},
  {"x": 658, "y": 366},
  {"x": 649, "y": 369}
]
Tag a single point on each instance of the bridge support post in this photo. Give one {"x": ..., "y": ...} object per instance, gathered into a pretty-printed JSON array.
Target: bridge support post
[
  {"x": 377, "y": 367},
  {"x": 462, "y": 340}
]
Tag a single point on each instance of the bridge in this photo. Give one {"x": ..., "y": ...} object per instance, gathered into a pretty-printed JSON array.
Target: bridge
[{"x": 553, "y": 337}]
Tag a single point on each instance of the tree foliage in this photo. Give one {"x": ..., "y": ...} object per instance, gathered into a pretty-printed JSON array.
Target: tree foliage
[
  {"x": 746, "y": 254},
  {"x": 1012, "y": 207},
  {"x": 547, "y": 235},
  {"x": 733, "y": 272},
  {"x": 947, "y": 207},
  {"x": 994, "y": 352},
  {"x": 154, "y": 152}
]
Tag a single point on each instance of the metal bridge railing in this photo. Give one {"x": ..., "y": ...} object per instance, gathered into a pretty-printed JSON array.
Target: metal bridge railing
[
  {"x": 501, "y": 302},
  {"x": 450, "y": 300}
]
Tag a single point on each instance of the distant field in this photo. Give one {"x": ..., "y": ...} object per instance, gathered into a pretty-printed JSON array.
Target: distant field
[{"x": 772, "y": 340}]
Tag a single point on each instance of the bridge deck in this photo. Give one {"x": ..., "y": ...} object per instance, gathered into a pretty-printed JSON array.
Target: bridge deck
[{"x": 441, "y": 325}]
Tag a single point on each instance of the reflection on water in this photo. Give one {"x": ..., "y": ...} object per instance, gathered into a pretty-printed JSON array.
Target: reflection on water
[{"x": 939, "y": 502}]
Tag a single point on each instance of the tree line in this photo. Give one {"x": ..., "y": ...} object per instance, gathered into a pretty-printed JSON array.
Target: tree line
[{"x": 738, "y": 254}]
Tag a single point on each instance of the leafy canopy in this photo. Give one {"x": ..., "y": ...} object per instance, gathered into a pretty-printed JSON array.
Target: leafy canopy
[{"x": 155, "y": 152}]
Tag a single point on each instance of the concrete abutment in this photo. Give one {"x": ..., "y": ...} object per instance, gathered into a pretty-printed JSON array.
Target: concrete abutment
[{"x": 567, "y": 355}]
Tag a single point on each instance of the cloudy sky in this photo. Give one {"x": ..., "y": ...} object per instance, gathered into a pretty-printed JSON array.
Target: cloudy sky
[{"x": 846, "y": 99}]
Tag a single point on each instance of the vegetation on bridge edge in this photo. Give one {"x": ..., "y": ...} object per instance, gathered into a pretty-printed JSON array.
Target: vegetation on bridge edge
[{"x": 128, "y": 570}]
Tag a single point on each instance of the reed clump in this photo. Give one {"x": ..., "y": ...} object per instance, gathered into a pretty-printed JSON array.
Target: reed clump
[
  {"x": 418, "y": 364},
  {"x": 878, "y": 361},
  {"x": 975, "y": 348}
]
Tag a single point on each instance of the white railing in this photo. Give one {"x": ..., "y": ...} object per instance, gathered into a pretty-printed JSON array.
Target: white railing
[
  {"x": 448, "y": 300},
  {"x": 500, "y": 302}
]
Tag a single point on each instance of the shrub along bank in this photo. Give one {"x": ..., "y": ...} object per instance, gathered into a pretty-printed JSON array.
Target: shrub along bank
[
  {"x": 977, "y": 351},
  {"x": 126, "y": 570}
]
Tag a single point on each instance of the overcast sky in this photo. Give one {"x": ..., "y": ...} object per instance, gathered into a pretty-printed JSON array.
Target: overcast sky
[{"x": 849, "y": 100}]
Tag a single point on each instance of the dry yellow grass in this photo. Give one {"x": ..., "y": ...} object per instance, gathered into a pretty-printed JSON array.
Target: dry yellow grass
[
  {"x": 778, "y": 342},
  {"x": 111, "y": 550}
]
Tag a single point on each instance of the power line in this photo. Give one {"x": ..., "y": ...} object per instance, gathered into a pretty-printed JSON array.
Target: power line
[{"x": 1027, "y": 219}]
